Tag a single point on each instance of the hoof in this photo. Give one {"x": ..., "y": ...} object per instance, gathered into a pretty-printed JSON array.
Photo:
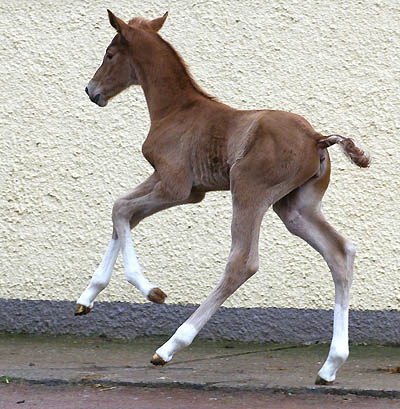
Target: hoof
[
  {"x": 157, "y": 296},
  {"x": 157, "y": 360},
  {"x": 82, "y": 309},
  {"x": 321, "y": 381}
]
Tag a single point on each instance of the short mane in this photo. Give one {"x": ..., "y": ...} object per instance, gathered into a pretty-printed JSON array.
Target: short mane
[
  {"x": 142, "y": 23},
  {"x": 195, "y": 85}
]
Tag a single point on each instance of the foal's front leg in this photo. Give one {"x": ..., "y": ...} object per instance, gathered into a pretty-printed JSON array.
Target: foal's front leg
[
  {"x": 102, "y": 275},
  {"x": 133, "y": 270},
  {"x": 135, "y": 210},
  {"x": 128, "y": 211}
]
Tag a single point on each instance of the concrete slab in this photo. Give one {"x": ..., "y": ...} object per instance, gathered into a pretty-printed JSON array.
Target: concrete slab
[{"x": 371, "y": 370}]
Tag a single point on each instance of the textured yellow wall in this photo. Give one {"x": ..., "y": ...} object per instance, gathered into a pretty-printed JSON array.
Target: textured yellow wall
[{"x": 64, "y": 160}]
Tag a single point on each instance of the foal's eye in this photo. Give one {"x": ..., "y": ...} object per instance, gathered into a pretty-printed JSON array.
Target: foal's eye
[{"x": 109, "y": 56}]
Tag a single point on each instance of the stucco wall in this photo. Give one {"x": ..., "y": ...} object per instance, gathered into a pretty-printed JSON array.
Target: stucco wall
[{"x": 64, "y": 160}]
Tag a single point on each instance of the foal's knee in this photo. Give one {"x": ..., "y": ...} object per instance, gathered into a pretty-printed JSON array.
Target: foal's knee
[
  {"x": 119, "y": 210},
  {"x": 124, "y": 211},
  {"x": 240, "y": 267},
  {"x": 251, "y": 266},
  {"x": 242, "y": 262}
]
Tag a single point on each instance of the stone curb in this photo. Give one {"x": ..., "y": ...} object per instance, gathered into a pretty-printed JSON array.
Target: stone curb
[{"x": 317, "y": 390}]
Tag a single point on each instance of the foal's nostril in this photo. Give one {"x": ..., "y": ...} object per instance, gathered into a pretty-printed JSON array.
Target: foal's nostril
[
  {"x": 96, "y": 98},
  {"x": 87, "y": 90}
]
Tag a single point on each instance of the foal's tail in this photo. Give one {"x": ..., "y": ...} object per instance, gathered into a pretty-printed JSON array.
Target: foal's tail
[{"x": 356, "y": 155}]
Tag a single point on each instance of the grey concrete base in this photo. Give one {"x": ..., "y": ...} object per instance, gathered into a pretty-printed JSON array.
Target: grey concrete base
[
  {"x": 205, "y": 365},
  {"x": 125, "y": 320}
]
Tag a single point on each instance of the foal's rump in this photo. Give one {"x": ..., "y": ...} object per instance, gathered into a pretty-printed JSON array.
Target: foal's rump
[
  {"x": 278, "y": 148},
  {"x": 281, "y": 149}
]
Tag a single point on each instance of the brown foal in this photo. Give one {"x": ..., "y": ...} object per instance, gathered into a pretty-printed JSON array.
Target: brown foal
[{"x": 196, "y": 145}]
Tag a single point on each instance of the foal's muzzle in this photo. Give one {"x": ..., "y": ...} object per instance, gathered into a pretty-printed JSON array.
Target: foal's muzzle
[
  {"x": 93, "y": 99},
  {"x": 95, "y": 94}
]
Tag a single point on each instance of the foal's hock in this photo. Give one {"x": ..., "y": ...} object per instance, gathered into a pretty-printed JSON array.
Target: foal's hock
[{"x": 196, "y": 145}]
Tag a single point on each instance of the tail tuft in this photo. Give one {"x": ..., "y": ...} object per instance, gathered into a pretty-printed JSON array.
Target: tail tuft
[{"x": 358, "y": 156}]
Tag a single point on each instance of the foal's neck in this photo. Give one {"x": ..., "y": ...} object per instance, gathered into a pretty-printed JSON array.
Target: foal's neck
[{"x": 165, "y": 79}]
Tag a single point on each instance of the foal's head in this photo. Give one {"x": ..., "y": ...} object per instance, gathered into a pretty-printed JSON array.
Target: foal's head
[{"x": 117, "y": 72}]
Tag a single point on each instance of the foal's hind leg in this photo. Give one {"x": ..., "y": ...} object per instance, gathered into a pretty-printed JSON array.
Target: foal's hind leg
[
  {"x": 301, "y": 213},
  {"x": 249, "y": 206}
]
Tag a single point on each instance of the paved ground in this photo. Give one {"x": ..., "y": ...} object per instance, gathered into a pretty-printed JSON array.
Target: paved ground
[{"x": 86, "y": 368}]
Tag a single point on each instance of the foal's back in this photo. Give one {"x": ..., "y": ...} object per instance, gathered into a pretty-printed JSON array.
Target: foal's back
[{"x": 214, "y": 137}]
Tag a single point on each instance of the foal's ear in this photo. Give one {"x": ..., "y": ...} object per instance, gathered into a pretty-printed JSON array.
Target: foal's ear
[
  {"x": 116, "y": 22},
  {"x": 157, "y": 23}
]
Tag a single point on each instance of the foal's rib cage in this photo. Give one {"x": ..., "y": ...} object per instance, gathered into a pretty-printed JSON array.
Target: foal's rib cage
[{"x": 197, "y": 144}]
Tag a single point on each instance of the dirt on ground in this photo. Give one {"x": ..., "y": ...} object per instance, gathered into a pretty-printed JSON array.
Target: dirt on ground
[{"x": 98, "y": 396}]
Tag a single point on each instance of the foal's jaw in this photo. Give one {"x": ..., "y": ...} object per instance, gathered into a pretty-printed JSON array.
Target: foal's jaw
[{"x": 94, "y": 91}]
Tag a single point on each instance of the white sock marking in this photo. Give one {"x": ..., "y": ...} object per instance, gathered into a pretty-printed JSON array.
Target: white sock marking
[
  {"x": 101, "y": 276},
  {"x": 339, "y": 349},
  {"x": 183, "y": 337},
  {"x": 133, "y": 271}
]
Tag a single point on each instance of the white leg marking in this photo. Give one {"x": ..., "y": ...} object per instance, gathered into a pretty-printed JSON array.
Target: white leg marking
[
  {"x": 102, "y": 275},
  {"x": 133, "y": 271},
  {"x": 183, "y": 337},
  {"x": 339, "y": 350}
]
